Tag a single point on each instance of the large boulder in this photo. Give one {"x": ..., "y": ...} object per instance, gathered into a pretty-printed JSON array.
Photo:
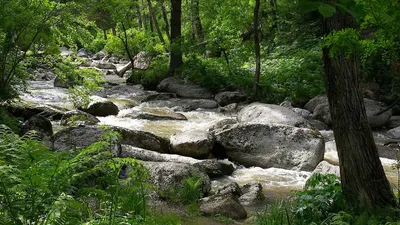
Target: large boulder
[
  {"x": 169, "y": 176},
  {"x": 26, "y": 110},
  {"x": 272, "y": 145},
  {"x": 186, "y": 90},
  {"x": 155, "y": 114},
  {"x": 104, "y": 65},
  {"x": 325, "y": 168},
  {"x": 102, "y": 108},
  {"x": 395, "y": 133},
  {"x": 182, "y": 104},
  {"x": 251, "y": 193},
  {"x": 226, "y": 205},
  {"x": 194, "y": 143},
  {"x": 78, "y": 117},
  {"x": 322, "y": 113},
  {"x": 42, "y": 126},
  {"x": 142, "y": 139},
  {"x": 268, "y": 114},
  {"x": 228, "y": 97},
  {"x": 314, "y": 102},
  {"x": 211, "y": 167},
  {"x": 79, "y": 137},
  {"x": 394, "y": 122}
]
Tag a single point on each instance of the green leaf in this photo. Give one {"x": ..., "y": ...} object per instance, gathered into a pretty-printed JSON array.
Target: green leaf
[{"x": 326, "y": 10}]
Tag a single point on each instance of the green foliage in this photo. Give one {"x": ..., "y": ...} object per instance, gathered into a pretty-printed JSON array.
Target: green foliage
[
  {"x": 82, "y": 82},
  {"x": 152, "y": 76},
  {"x": 40, "y": 186},
  {"x": 8, "y": 120},
  {"x": 345, "y": 41},
  {"x": 97, "y": 44},
  {"x": 188, "y": 193},
  {"x": 322, "y": 202}
]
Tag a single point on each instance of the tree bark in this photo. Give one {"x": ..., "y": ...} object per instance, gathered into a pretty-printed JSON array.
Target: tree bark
[
  {"x": 176, "y": 23},
  {"x": 139, "y": 15},
  {"x": 165, "y": 17},
  {"x": 198, "y": 28},
  {"x": 257, "y": 47},
  {"x": 155, "y": 22},
  {"x": 105, "y": 34},
  {"x": 363, "y": 179}
]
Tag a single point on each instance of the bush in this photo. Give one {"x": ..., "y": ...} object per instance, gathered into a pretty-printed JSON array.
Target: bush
[
  {"x": 97, "y": 44},
  {"x": 322, "y": 202},
  {"x": 151, "y": 77}
]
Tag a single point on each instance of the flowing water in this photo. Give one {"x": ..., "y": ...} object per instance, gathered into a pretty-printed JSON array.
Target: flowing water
[{"x": 277, "y": 183}]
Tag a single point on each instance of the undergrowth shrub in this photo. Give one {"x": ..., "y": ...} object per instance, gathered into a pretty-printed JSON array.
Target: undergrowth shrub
[
  {"x": 322, "y": 203},
  {"x": 151, "y": 77},
  {"x": 40, "y": 186}
]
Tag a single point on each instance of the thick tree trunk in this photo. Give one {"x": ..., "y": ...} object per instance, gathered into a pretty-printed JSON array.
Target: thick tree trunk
[
  {"x": 114, "y": 31},
  {"x": 198, "y": 28},
  {"x": 139, "y": 15},
  {"x": 363, "y": 179},
  {"x": 165, "y": 17},
  {"x": 176, "y": 54},
  {"x": 257, "y": 47},
  {"x": 105, "y": 34},
  {"x": 155, "y": 22}
]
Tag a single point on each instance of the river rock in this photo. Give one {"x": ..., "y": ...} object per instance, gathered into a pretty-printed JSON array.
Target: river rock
[
  {"x": 194, "y": 143},
  {"x": 182, "y": 104},
  {"x": 41, "y": 125},
  {"x": 142, "y": 139},
  {"x": 155, "y": 114},
  {"x": 79, "y": 137},
  {"x": 27, "y": 110},
  {"x": 314, "y": 102},
  {"x": 221, "y": 124},
  {"x": 65, "y": 52},
  {"x": 394, "y": 122},
  {"x": 44, "y": 74},
  {"x": 211, "y": 167},
  {"x": 268, "y": 114},
  {"x": 229, "y": 97},
  {"x": 104, "y": 65},
  {"x": 302, "y": 112},
  {"x": 226, "y": 205},
  {"x": 319, "y": 125},
  {"x": 158, "y": 96},
  {"x": 325, "y": 168},
  {"x": 251, "y": 193},
  {"x": 168, "y": 176},
  {"x": 186, "y": 90},
  {"x": 230, "y": 188},
  {"x": 395, "y": 133},
  {"x": 125, "y": 91},
  {"x": 58, "y": 82},
  {"x": 272, "y": 145},
  {"x": 102, "y": 108},
  {"x": 83, "y": 53},
  {"x": 322, "y": 113},
  {"x": 80, "y": 117}
]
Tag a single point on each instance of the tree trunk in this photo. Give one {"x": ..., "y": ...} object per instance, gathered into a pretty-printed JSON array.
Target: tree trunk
[
  {"x": 105, "y": 34},
  {"x": 155, "y": 22},
  {"x": 165, "y": 17},
  {"x": 139, "y": 15},
  {"x": 144, "y": 17},
  {"x": 363, "y": 179},
  {"x": 257, "y": 48},
  {"x": 198, "y": 28},
  {"x": 176, "y": 54}
]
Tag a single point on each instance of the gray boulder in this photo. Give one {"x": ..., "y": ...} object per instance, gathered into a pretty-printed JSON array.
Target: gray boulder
[
  {"x": 314, "y": 102},
  {"x": 156, "y": 114},
  {"x": 168, "y": 176},
  {"x": 230, "y": 188},
  {"x": 226, "y": 205},
  {"x": 322, "y": 113},
  {"x": 229, "y": 97},
  {"x": 211, "y": 167},
  {"x": 104, "y": 65},
  {"x": 302, "y": 112},
  {"x": 79, "y": 137},
  {"x": 272, "y": 145},
  {"x": 395, "y": 132},
  {"x": 325, "y": 167},
  {"x": 394, "y": 122},
  {"x": 194, "y": 143},
  {"x": 102, "y": 108},
  {"x": 251, "y": 193},
  {"x": 271, "y": 114},
  {"x": 78, "y": 117},
  {"x": 142, "y": 139},
  {"x": 186, "y": 90},
  {"x": 42, "y": 126},
  {"x": 182, "y": 104}
]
